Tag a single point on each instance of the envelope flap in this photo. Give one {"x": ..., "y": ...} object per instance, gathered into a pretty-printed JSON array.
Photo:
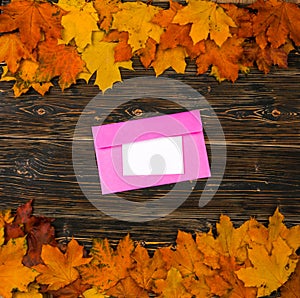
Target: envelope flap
[{"x": 116, "y": 134}]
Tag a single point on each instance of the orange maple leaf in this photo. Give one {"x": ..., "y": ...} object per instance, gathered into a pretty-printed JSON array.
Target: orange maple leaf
[
  {"x": 147, "y": 54},
  {"x": 12, "y": 51},
  {"x": 106, "y": 9},
  {"x": 225, "y": 58},
  {"x": 266, "y": 57},
  {"x": 59, "y": 60},
  {"x": 291, "y": 288},
  {"x": 59, "y": 269},
  {"x": 275, "y": 21},
  {"x": 127, "y": 287},
  {"x": 108, "y": 267},
  {"x": 34, "y": 19},
  {"x": 146, "y": 270},
  {"x": 123, "y": 51},
  {"x": 242, "y": 18}
]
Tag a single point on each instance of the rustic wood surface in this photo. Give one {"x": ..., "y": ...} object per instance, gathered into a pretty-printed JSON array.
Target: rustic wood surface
[{"x": 260, "y": 116}]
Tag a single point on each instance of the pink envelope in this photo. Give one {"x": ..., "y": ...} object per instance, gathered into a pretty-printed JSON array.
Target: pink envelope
[{"x": 151, "y": 151}]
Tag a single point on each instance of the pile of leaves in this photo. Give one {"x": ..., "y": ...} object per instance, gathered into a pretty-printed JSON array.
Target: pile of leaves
[
  {"x": 249, "y": 261},
  {"x": 74, "y": 39}
]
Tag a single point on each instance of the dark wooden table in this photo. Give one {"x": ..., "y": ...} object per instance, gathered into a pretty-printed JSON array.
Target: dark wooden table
[{"x": 260, "y": 116}]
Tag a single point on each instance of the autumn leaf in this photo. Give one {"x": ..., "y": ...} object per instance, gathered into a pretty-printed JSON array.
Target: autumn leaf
[
  {"x": 59, "y": 61},
  {"x": 59, "y": 269},
  {"x": 242, "y": 18},
  {"x": 225, "y": 58},
  {"x": 12, "y": 51},
  {"x": 291, "y": 288},
  {"x": 207, "y": 18},
  {"x": 93, "y": 293},
  {"x": 123, "y": 51},
  {"x": 270, "y": 270},
  {"x": 187, "y": 258},
  {"x": 147, "y": 54},
  {"x": 127, "y": 287},
  {"x": 26, "y": 77},
  {"x": 100, "y": 57},
  {"x": 264, "y": 58},
  {"x": 32, "y": 292},
  {"x": 79, "y": 23},
  {"x": 34, "y": 19},
  {"x": 75, "y": 289},
  {"x": 147, "y": 270},
  {"x": 13, "y": 274},
  {"x": 5, "y": 217},
  {"x": 108, "y": 267},
  {"x": 172, "y": 286},
  {"x": 165, "y": 59},
  {"x": 276, "y": 21},
  {"x": 106, "y": 9},
  {"x": 135, "y": 18}
]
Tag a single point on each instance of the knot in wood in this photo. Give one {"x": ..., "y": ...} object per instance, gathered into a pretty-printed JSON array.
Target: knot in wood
[{"x": 137, "y": 112}]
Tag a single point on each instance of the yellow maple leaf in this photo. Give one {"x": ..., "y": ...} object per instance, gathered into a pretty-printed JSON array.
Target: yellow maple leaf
[
  {"x": 206, "y": 18},
  {"x": 135, "y": 18},
  {"x": 58, "y": 268},
  {"x": 270, "y": 270},
  {"x": 79, "y": 23},
  {"x": 99, "y": 57},
  {"x": 174, "y": 58},
  {"x": 13, "y": 274},
  {"x": 172, "y": 286}
]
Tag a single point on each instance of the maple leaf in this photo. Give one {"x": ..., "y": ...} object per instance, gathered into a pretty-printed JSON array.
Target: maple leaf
[
  {"x": 146, "y": 270},
  {"x": 174, "y": 58},
  {"x": 58, "y": 269},
  {"x": 12, "y": 51},
  {"x": 275, "y": 21},
  {"x": 108, "y": 267},
  {"x": 127, "y": 287},
  {"x": 207, "y": 18},
  {"x": 135, "y": 18},
  {"x": 79, "y": 23},
  {"x": 164, "y": 17},
  {"x": 99, "y": 57},
  {"x": 75, "y": 289},
  {"x": 32, "y": 292},
  {"x": 291, "y": 288},
  {"x": 176, "y": 35},
  {"x": 172, "y": 286},
  {"x": 187, "y": 258},
  {"x": 123, "y": 51},
  {"x": 265, "y": 58},
  {"x": 147, "y": 54},
  {"x": 59, "y": 60},
  {"x": 13, "y": 274},
  {"x": 106, "y": 9},
  {"x": 270, "y": 269},
  {"x": 34, "y": 19},
  {"x": 26, "y": 77},
  {"x": 225, "y": 58},
  {"x": 242, "y": 18},
  {"x": 93, "y": 293}
]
